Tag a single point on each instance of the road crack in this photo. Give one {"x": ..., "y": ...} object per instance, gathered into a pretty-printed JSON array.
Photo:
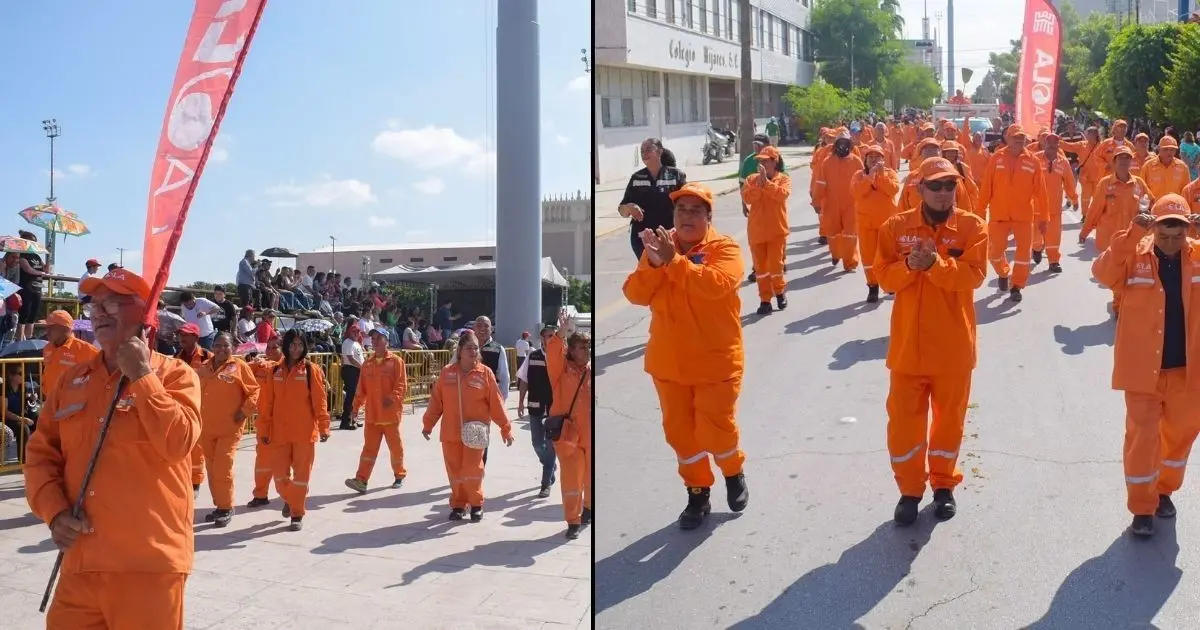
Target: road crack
[
  {"x": 623, "y": 414},
  {"x": 1044, "y": 460},
  {"x": 944, "y": 602}
]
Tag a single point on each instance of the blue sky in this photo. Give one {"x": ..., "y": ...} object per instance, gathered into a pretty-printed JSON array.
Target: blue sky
[{"x": 330, "y": 132}]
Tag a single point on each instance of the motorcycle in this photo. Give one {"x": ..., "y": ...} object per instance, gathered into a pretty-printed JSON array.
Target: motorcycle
[
  {"x": 730, "y": 140},
  {"x": 714, "y": 148}
]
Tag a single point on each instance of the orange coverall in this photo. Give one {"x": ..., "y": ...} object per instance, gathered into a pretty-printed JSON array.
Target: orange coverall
[
  {"x": 1164, "y": 179},
  {"x": 195, "y": 360},
  {"x": 695, "y": 297},
  {"x": 1091, "y": 169},
  {"x": 837, "y": 207},
  {"x": 932, "y": 350},
  {"x": 1162, "y": 407},
  {"x": 574, "y": 448},
  {"x": 767, "y": 230},
  {"x": 874, "y": 203},
  {"x": 129, "y": 572},
  {"x": 481, "y": 402},
  {"x": 910, "y": 195},
  {"x": 1104, "y": 153},
  {"x": 1114, "y": 204},
  {"x": 382, "y": 387},
  {"x": 262, "y": 368},
  {"x": 294, "y": 413},
  {"x": 225, "y": 390},
  {"x": 59, "y": 359},
  {"x": 1060, "y": 178},
  {"x": 1013, "y": 195}
]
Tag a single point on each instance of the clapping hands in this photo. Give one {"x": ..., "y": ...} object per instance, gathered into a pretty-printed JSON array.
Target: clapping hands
[
  {"x": 660, "y": 245},
  {"x": 922, "y": 256}
]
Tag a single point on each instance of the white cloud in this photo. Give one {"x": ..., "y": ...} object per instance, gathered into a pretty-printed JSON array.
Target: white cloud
[
  {"x": 431, "y": 186},
  {"x": 561, "y": 139},
  {"x": 380, "y": 222},
  {"x": 327, "y": 192},
  {"x": 431, "y": 148},
  {"x": 244, "y": 198},
  {"x": 218, "y": 154},
  {"x": 80, "y": 169},
  {"x": 580, "y": 83}
]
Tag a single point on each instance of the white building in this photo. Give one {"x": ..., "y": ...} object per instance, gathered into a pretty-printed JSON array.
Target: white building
[
  {"x": 666, "y": 68},
  {"x": 1147, "y": 11}
]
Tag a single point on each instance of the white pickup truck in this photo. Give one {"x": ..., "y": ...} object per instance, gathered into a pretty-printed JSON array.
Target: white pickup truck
[{"x": 982, "y": 111}]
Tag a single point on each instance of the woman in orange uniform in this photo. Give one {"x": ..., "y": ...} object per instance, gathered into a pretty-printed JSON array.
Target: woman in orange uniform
[
  {"x": 1116, "y": 201},
  {"x": 837, "y": 205},
  {"x": 228, "y": 395},
  {"x": 295, "y": 413},
  {"x": 1060, "y": 179},
  {"x": 465, "y": 391},
  {"x": 63, "y": 350},
  {"x": 690, "y": 279},
  {"x": 262, "y": 367},
  {"x": 568, "y": 358},
  {"x": 381, "y": 388},
  {"x": 766, "y": 193},
  {"x": 874, "y": 190},
  {"x": 191, "y": 353}
]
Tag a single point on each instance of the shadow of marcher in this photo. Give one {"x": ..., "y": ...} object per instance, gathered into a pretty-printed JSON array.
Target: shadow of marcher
[
  {"x": 432, "y": 526},
  {"x": 639, "y": 566},
  {"x": 46, "y": 546},
  {"x": 993, "y": 308},
  {"x": 19, "y": 522},
  {"x": 805, "y": 228},
  {"x": 508, "y": 554},
  {"x": 386, "y": 498},
  {"x": 220, "y": 539},
  {"x": 617, "y": 357},
  {"x": 825, "y": 275},
  {"x": 837, "y": 595},
  {"x": 829, "y": 318},
  {"x": 857, "y": 351},
  {"x": 1075, "y": 340},
  {"x": 1124, "y": 587},
  {"x": 1086, "y": 252}
]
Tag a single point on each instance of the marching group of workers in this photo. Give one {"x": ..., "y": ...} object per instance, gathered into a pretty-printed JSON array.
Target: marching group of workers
[
  {"x": 927, "y": 239},
  {"x": 130, "y": 548}
]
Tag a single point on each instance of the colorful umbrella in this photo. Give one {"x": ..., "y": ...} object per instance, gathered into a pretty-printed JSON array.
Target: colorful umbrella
[
  {"x": 251, "y": 346},
  {"x": 55, "y": 219},
  {"x": 19, "y": 245}
]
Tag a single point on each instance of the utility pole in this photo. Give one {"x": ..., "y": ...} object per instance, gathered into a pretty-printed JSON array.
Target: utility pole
[
  {"x": 121, "y": 256},
  {"x": 745, "y": 98},
  {"x": 587, "y": 68},
  {"x": 852, "y": 62},
  {"x": 332, "y": 254},
  {"x": 50, "y": 126},
  {"x": 950, "y": 47}
]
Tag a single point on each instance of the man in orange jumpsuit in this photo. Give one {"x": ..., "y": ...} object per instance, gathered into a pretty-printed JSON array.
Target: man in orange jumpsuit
[
  {"x": 1060, "y": 178},
  {"x": 1116, "y": 200},
  {"x": 381, "y": 388},
  {"x": 1091, "y": 165},
  {"x": 766, "y": 193},
  {"x": 568, "y": 364},
  {"x": 977, "y": 156},
  {"x": 818, "y": 161},
  {"x": 229, "y": 395},
  {"x": 1104, "y": 151},
  {"x": 891, "y": 152},
  {"x": 63, "y": 350},
  {"x": 130, "y": 549},
  {"x": 294, "y": 414},
  {"x": 191, "y": 353},
  {"x": 874, "y": 189},
  {"x": 933, "y": 258},
  {"x": 1013, "y": 194},
  {"x": 836, "y": 203},
  {"x": 910, "y": 193},
  {"x": 262, "y": 367},
  {"x": 1156, "y": 359},
  {"x": 1166, "y": 174},
  {"x": 1141, "y": 152},
  {"x": 967, "y": 195},
  {"x": 696, "y": 271}
]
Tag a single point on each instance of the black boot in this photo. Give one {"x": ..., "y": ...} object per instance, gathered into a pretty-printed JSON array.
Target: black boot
[
  {"x": 764, "y": 308},
  {"x": 1142, "y": 526},
  {"x": 572, "y": 532},
  {"x": 781, "y": 301},
  {"x": 697, "y": 509},
  {"x": 258, "y": 502},
  {"x": 834, "y": 261},
  {"x": 1015, "y": 294},
  {"x": 297, "y": 523},
  {"x": 736, "y": 492},
  {"x": 945, "y": 507},
  {"x": 872, "y": 293},
  {"x": 287, "y": 510},
  {"x": 1166, "y": 508},
  {"x": 1055, "y": 268},
  {"x": 586, "y": 518},
  {"x": 821, "y": 240},
  {"x": 906, "y": 510},
  {"x": 221, "y": 518},
  {"x": 476, "y": 514},
  {"x": 1037, "y": 258},
  {"x": 457, "y": 514},
  {"x": 1002, "y": 283},
  {"x": 752, "y": 278}
]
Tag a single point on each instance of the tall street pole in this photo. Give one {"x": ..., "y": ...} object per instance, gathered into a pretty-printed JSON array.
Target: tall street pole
[
  {"x": 332, "y": 254},
  {"x": 50, "y": 126},
  {"x": 950, "y": 46},
  {"x": 745, "y": 94}
]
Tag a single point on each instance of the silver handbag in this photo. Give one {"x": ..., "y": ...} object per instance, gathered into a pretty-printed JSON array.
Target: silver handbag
[{"x": 475, "y": 434}]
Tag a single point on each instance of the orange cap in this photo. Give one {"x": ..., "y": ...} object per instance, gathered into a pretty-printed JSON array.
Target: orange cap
[
  {"x": 951, "y": 145},
  {"x": 767, "y": 153},
  {"x": 1120, "y": 123},
  {"x": 694, "y": 189},
  {"x": 1122, "y": 150},
  {"x": 119, "y": 280},
  {"x": 1052, "y": 135},
  {"x": 926, "y": 126},
  {"x": 60, "y": 318},
  {"x": 1168, "y": 143},
  {"x": 937, "y": 168},
  {"x": 873, "y": 149},
  {"x": 1014, "y": 131},
  {"x": 928, "y": 142},
  {"x": 1140, "y": 137},
  {"x": 1170, "y": 206}
]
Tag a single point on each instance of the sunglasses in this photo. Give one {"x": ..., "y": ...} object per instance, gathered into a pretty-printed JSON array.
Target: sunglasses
[
  {"x": 114, "y": 306},
  {"x": 941, "y": 185}
]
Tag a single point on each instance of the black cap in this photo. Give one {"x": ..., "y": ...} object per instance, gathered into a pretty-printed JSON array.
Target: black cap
[{"x": 762, "y": 137}]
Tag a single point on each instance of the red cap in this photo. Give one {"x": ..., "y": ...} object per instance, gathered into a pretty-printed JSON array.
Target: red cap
[
  {"x": 92, "y": 262},
  {"x": 189, "y": 329}
]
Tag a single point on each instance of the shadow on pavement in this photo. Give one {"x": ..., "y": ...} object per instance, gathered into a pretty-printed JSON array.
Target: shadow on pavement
[
  {"x": 824, "y": 275},
  {"x": 46, "y": 546},
  {"x": 433, "y": 526},
  {"x": 617, "y": 357},
  {"x": 802, "y": 228},
  {"x": 993, "y": 308},
  {"x": 1124, "y": 587},
  {"x": 639, "y": 566},
  {"x": 224, "y": 539},
  {"x": 805, "y": 263},
  {"x": 829, "y": 318},
  {"x": 837, "y": 595},
  {"x": 857, "y": 351},
  {"x": 1086, "y": 253},
  {"x": 19, "y": 522},
  {"x": 509, "y": 554},
  {"x": 1075, "y": 340}
]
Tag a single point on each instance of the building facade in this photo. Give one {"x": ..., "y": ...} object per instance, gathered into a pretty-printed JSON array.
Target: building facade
[
  {"x": 1144, "y": 11},
  {"x": 566, "y": 239},
  {"x": 668, "y": 68}
]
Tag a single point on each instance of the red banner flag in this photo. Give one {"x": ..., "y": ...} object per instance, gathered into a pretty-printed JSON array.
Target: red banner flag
[
  {"x": 216, "y": 45},
  {"x": 1037, "y": 78}
]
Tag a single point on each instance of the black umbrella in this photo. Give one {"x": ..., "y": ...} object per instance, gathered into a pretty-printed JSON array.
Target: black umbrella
[
  {"x": 278, "y": 252},
  {"x": 24, "y": 349}
]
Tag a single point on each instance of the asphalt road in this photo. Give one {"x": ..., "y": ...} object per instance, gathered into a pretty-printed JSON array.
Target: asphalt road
[{"x": 1039, "y": 540}]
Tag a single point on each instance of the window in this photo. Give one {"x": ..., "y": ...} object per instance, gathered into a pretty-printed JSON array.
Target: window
[
  {"x": 686, "y": 15},
  {"x": 631, "y": 6},
  {"x": 671, "y": 11},
  {"x": 771, "y": 19},
  {"x": 623, "y": 95},
  {"x": 786, "y": 34},
  {"x": 731, "y": 21},
  {"x": 685, "y": 99},
  {"x": 806, "y": 48},
  {"x": 704, "y": 16},
  {"x": 384, "y": 260},
  {"x": 449, "y": 258},
  {"x": 651, "y": 9},
  {"x": 416, "y": 260},
  {"x": 759, "y": 31},
  {"x": 487, "y": 258}
]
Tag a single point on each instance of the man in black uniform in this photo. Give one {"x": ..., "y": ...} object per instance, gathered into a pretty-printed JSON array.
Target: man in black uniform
[
  {"x": 492, "y": 355},
  {"x": 647, "y": 202},
  {"x": 533, "y": 380}
]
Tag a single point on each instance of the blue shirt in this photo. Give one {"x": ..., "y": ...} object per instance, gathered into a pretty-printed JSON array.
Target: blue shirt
[{"x": 245, "y": 274}]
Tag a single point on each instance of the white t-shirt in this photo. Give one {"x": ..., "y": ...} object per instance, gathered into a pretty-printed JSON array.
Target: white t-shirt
[
  {"x": 523, "y": 347},
  {"x": 198, "y": 315},
  {"x": 245, "y": 328},
  {"x": 523, "y": 371},
  {"x": 353, "y": 353},
  {"x": 85, "y": 277}
]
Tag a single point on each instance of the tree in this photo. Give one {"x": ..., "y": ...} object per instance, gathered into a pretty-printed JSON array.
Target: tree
[
  {"x": 1139, "y": 58},
  {"x": 1178, "y": 100},
  {"x": 911, "y": 84},
  {"x": 1004, "y": 71},
  {"x": 1084, "y": 51},
  {"x": 579, "y": 294},
  {"x": 892, "y": 7},
  {"x": 858, "y": 30},
  {"x": 823, "y": 104}
]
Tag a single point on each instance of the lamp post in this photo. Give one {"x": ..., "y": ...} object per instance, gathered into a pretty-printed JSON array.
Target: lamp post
[
  {"x": 587, "y": 69},
  {"x": 121, "y": 256},
  {"x": 332, "y": 254},
  {"x": 566, "y": 291},
  {"x": 50, "y": 126}
]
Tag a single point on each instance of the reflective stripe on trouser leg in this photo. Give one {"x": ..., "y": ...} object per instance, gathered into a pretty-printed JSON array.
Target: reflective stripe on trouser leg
[
  {"x": 908, "y": 424},
  {"x": 716, "y": 424},
  {"x": 950, "y": 395},
  {"x": 1143, "y": 449},
  {"x": 452, "y": 455},
  {"x": 762, "y": 271},
  {"x": 868, "y": 246},
  {"x": 395, "y": 445},
  {"x": 573, "y": 468},
  {"x": 1023, "y": 234},
  {"x": 776, "y": 253},
  {"x": 1179, "y": 428},
  {"x": 372, "y": 437},
  {"x": 262, "y": 470},
  {"x": 1054, "y": 236},
  {"x": 998, "y": 233},
  {"x": 679, "y": 429}
]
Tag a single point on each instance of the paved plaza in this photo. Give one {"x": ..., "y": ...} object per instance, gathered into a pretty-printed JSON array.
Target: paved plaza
[{"x": 387, "y": 559}]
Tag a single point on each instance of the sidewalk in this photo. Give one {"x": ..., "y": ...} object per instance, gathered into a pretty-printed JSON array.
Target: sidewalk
[
  {"x": 385, "y": 559},
  {"x": 721, "y": 178}
]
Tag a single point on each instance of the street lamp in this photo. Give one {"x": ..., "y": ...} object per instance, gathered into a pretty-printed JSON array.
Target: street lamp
[
  {"x": 586, "y": 63},
  {"x": 566, "y": 291},
  {"x": 332, "y": 254},
  {"x": 50, "y": 126}
]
